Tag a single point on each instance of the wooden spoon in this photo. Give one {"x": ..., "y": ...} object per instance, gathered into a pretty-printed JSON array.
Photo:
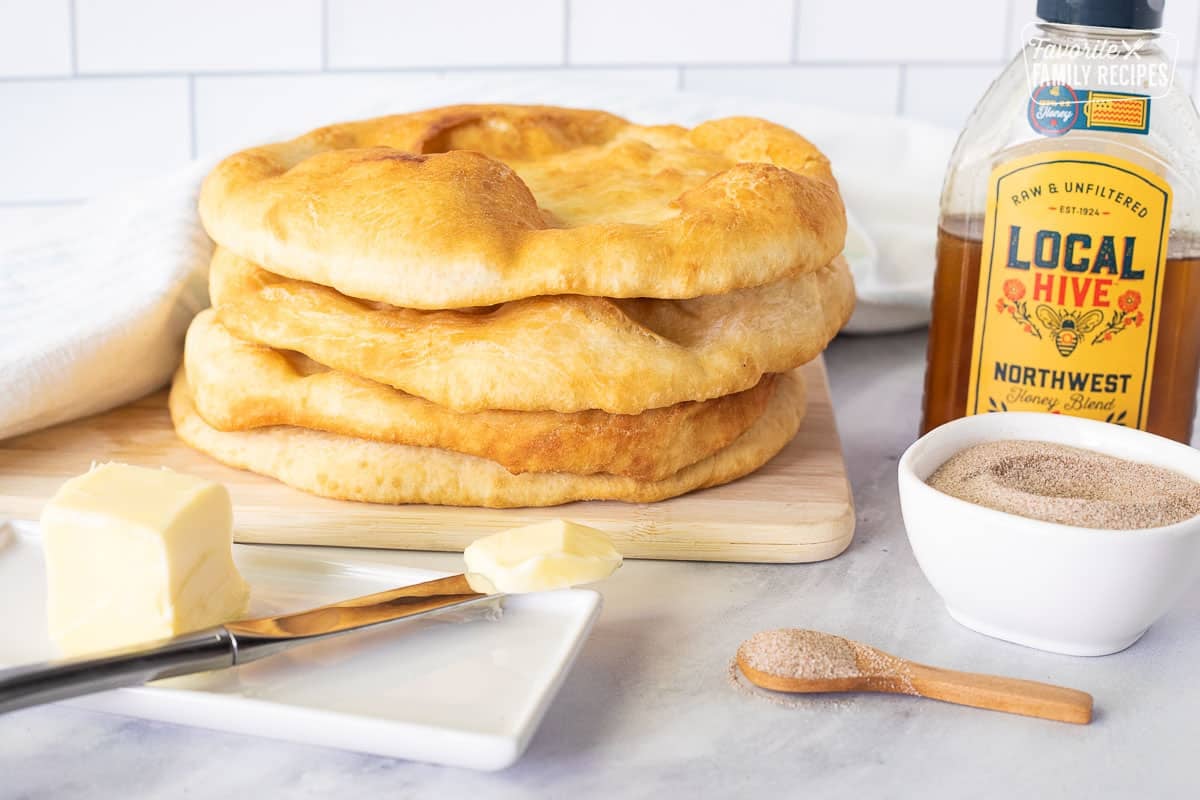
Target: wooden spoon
[{"x": 794, "y": 660}]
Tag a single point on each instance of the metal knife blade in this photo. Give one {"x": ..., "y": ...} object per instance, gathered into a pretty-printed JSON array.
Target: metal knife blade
[{"x": 226, "y": 645}]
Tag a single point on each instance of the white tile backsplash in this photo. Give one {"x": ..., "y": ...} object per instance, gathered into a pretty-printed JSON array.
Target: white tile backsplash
[
  {"x": 675, "y": 31},
  {"x": 370, "y": 34},
  {"x": 94, "y": 93},
  {"x": 648, "y": 78},
  {"x": 236, "y": 112},
  {"x": 944, "y": 96},
  {"x": 1181, "y": 18},
  {"x": 903, "y": 30},
  {"x": 1185, "y": 76},
  {"x": 35, "y": 37},
  {"x": 233, "y": 112},
  {"x": 867, "y": 89},
  {"x": 123, "y": 36},
  {"x": 76, "y": 138},
  {"x": 1020, "y": 17}
]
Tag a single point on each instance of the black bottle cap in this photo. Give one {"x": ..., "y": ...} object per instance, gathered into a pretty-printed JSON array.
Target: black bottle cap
[{"x": 1138, "y": 15}]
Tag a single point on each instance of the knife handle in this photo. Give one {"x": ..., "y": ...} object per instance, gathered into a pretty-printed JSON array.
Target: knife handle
[{"x": 20, "y": 687}]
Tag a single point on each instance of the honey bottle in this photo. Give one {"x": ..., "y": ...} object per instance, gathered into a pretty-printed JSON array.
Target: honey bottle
[{"x": 1068, "y": 257}]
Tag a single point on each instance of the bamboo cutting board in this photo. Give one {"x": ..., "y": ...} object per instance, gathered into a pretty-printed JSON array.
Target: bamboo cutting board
[{"x": 796, "y": 508}]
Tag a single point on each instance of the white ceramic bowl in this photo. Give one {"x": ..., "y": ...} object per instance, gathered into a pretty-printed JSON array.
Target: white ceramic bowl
[{"x": 1079, "y": 591}]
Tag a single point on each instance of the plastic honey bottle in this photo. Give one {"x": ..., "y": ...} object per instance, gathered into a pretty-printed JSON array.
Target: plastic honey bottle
[{"x": 1068, "y": 258}]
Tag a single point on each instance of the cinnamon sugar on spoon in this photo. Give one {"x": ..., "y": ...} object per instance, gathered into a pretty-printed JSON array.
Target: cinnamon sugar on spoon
[
  {"x": 803, "y": 661},
  {"x": 804, "y": 655}
]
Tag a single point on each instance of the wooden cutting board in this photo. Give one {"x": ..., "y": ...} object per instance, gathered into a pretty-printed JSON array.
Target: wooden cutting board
[{"x": 796, "y": 508}]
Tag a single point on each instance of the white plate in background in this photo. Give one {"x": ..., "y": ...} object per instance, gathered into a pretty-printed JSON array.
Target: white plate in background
[
  {"x": 892, "y": 293},
  {"x": 464, "y": 689}
]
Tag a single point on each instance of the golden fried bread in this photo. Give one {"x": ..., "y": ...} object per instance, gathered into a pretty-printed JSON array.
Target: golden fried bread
[
  {"x": 360, "y": 469},
  {"x": 239, "y": 386},
  {"x": 562, "y": 353},
  {"x": 481, "y": 204}
]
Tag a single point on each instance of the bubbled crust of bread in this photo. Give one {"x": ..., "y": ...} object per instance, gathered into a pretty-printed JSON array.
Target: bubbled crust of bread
[
  {"x": 348, "y": 468},
  {"x": 563, "y": 353},
  {"x": 237, "y": 385},
  {"x": 481, "y": 204}
]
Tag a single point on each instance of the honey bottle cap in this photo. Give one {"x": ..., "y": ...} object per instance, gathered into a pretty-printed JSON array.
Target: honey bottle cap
[{"x": 1140, "y": 15}]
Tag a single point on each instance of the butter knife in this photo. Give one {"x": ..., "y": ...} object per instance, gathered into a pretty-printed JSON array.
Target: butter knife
[{"x": 225, "y": 645}]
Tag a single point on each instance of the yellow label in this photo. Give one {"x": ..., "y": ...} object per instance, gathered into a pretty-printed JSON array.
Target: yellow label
[{"x": 1070, "y": 284}]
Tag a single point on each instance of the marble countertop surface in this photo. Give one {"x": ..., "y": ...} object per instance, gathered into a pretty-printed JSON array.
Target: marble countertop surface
[{"x": 648, "y": 710}]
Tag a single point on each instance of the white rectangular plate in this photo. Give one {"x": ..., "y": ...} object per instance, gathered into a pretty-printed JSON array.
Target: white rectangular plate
[{"x": 461, "y": 689}]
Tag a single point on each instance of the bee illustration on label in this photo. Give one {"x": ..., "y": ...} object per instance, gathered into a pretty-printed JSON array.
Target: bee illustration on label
[{"x": 1068, "y": 327}]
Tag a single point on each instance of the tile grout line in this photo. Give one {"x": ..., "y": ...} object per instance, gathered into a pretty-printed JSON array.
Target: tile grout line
[
  {"x": 73, "y": 33},
  {"x": 1195, "y": 92},
  {"x": 566, "y": 33},
  {"x": 485, "y": 68},
  {"x": 794, "y": 53},
  {"x": 55, "y": 203},
  {"x": 324, "y": 35},
  {"x": 1010, "y": 7},
  {"x": 192, "y": 115}
]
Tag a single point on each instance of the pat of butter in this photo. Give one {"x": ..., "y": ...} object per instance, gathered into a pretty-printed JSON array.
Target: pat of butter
[
  {"x": 136, "y": 554},
  {"x": 549, "y": 555}
]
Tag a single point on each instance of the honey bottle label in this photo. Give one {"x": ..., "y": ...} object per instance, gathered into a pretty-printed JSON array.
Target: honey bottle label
[{"x": 1070, "y": 284}]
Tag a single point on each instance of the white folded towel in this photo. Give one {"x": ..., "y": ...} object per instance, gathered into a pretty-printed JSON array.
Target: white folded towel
[{"x": 94, "y": 302}]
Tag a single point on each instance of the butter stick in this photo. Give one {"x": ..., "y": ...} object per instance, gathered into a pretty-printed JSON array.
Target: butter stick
[
  {"x": 548, "y": 555},
  {"x": 136, "y": 554}
]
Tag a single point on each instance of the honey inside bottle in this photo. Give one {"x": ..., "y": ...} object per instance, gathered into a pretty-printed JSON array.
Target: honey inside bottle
[
  {"x": 1068, "y": 252},
  {"x": 1172, "y": 406}
]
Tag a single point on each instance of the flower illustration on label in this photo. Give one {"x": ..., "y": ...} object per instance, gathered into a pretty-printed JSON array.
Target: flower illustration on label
[
  {"x": 1013, "y": 302},
  {"x": 1125, "y": 315},
  {"x": 1129, "y": 301},
  {"x": 1068, "y": 328}
]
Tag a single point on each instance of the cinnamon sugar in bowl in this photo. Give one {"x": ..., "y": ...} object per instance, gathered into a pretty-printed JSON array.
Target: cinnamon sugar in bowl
[
  {"x": 1068, "y": 485},
  {"x": 1055, "y": 532}
]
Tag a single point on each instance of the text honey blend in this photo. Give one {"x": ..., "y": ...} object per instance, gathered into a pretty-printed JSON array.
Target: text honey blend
[{"x": 1068, "y": 260}]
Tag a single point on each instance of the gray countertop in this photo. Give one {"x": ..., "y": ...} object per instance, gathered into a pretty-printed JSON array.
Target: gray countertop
[{"x": 648, "y": 710}]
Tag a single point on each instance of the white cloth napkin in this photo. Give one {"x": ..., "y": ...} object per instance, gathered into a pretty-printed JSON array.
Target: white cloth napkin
[{"x": 94, "y": 302}]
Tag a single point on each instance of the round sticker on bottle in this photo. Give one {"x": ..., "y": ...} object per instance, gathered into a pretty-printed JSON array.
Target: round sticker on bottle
[{"x": 1053, "y": 109}]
